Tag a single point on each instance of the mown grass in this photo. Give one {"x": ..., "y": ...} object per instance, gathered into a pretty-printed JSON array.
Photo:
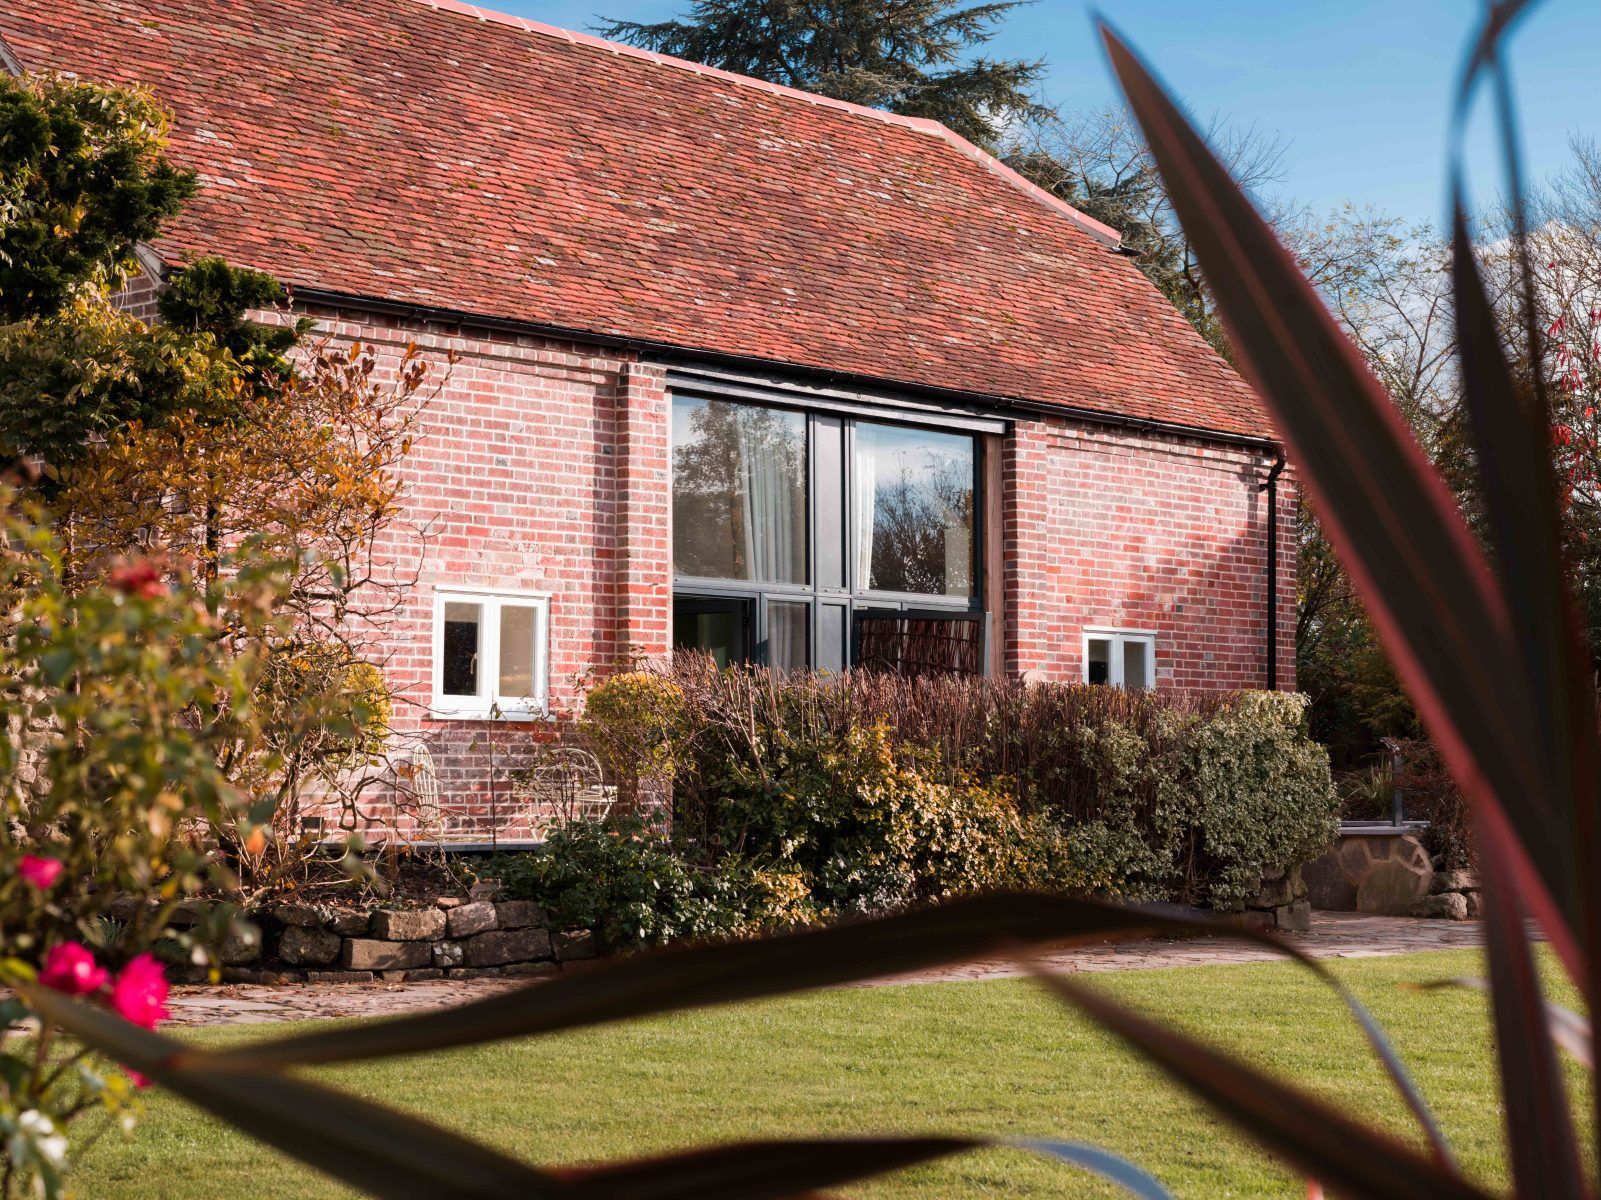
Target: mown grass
[{"x": 996, "y": 1057}]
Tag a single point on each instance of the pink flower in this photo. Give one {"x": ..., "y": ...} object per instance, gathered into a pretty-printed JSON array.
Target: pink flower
[
  {"x": 41, "y": 873},
  {"x": 70, "y": 968},
  {"x": 140, "y": 993},
  {"x": 138, "y": 1080}
]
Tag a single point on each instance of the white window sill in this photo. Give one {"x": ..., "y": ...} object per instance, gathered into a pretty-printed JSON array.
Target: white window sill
[{"x": 446, "y": 710}]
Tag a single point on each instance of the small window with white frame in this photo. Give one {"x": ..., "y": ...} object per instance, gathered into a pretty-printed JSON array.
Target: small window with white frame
[
  {"x": 1121, "y": 657},
  {"x": 490, "y": 651}
]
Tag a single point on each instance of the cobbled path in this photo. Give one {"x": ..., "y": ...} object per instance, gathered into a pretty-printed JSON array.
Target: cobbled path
[{"x": 1333, "y": 935}]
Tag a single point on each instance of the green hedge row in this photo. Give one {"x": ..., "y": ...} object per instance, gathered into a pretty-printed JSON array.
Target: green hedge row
[{"x": 806, "y": 797}]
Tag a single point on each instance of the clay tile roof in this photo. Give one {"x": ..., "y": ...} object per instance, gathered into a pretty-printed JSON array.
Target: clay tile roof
[{"x": 426, "y": 152}]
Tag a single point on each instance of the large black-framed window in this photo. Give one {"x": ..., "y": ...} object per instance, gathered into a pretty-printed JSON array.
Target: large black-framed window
[{"x": 792, "y": 524}]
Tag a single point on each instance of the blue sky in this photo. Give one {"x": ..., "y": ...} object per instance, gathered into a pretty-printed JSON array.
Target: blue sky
[{"x": 1359, "y": 89}]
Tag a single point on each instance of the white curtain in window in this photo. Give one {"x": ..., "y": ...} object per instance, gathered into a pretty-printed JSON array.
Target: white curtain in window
[
  {"x": 768, "y": 499},
  {"x": 866, "y": 492},
  {"x": 787, "y": 635}
]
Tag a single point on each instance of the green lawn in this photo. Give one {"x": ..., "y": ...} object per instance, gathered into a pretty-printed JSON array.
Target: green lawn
[{"x": 994, "y": 1056}]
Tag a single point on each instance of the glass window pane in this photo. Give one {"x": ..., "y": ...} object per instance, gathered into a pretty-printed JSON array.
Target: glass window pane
[
  {"x": 914, "y": 510},
  {"x": 1134, "y": 652},
  {"x": 517, "y": 626},
  {"x": 831, "y": 632},
  {"x": 739, "y": 491},
  {"x": 460, "y": 666},
  {"x": 1100, "y": 661},
  {"x": 829, "y": 486},
  {"x": 715, "y": 627},
  {"x": 788, "y": 635}
]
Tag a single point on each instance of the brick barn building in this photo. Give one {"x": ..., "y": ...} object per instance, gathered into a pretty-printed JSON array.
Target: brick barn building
[{"x": 739, "y": 367}]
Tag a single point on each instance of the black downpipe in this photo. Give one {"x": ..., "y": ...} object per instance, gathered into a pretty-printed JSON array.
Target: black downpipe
[{"x": 1271, "y": 487}]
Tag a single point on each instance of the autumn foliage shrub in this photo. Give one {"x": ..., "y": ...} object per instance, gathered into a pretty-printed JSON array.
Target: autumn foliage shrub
[{"x": 883, "y": 791}]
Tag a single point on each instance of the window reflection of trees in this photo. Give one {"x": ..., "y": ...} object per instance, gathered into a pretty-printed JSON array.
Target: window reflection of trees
[
  {"x": 740, "y": 508},
  {"x": 922, "y": 522},
  {"x": 739, "y": 493}
]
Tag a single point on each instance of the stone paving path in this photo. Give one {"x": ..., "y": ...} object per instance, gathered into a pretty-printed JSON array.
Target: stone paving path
[{"x": 1333, "y": 935}]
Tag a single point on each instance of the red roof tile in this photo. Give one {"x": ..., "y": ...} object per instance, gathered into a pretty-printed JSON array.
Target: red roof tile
[{"x": 434, "y": 154}]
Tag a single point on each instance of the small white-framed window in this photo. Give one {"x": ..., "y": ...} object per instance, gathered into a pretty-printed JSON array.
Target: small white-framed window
[
  {"x": 490, "y": 654},
  {"x": 1120, "y": 657}
]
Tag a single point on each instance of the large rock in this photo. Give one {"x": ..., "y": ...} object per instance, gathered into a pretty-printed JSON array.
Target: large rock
[
  {"x": 1391, "y": 888},
  {"x": 305, "y": 946},
  {"x": 1295, "y": 917},
  {"x": 1455, "y": 881},
  {"x": 364, "y": 954},
  {"x": 477, "y": 917},
  {"x": 1450, "y": 906},
  {"x": 408, "y": 925},
  {"x": 507, "y": 946}
]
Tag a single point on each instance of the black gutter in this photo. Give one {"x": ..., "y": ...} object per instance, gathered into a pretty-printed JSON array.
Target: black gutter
[
  {"x": 1271, "y": 487},
  {"x": 669, "y": 352},
  {"x": 1041, "y": 408}
]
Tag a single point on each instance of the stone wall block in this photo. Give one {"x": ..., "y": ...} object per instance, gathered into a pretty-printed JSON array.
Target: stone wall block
[
  {"x": 503, "y": 946},
  {"x": 408, "y": 925},
  {"x": 365, "y": 954},
  {"x": 477, "y": 917},
  {"x": 575, "y": 943},
  {"x": 304, "y": 946},
  {"x": 348, "y": 922},
  {"x": 519, "y": 914},
  {"x": 1295, "y": 917},
  {"x": 302, "y": 915}
]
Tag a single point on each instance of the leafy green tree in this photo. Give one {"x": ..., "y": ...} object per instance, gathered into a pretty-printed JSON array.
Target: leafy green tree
[
  {"x": 181, "y": 442},
  {"x": 906, "y": 56},
  {"x": 209, "y": 297},
  {"x": 82, "y": 179}
]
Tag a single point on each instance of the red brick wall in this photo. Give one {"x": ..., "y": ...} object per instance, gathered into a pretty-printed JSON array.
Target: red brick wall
[
  {"x": 545, "y": 466},
  {"x": 139, "y": 297},
  {"x": 1129, "y": 530},
  {"x": 541, "y": 466}
]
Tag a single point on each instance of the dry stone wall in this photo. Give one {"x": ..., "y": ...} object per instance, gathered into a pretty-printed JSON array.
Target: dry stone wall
[{"x": 453, "y": 938}]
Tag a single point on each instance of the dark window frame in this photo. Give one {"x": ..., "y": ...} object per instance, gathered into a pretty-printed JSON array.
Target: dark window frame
[{"x": 850, "y": 597}]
